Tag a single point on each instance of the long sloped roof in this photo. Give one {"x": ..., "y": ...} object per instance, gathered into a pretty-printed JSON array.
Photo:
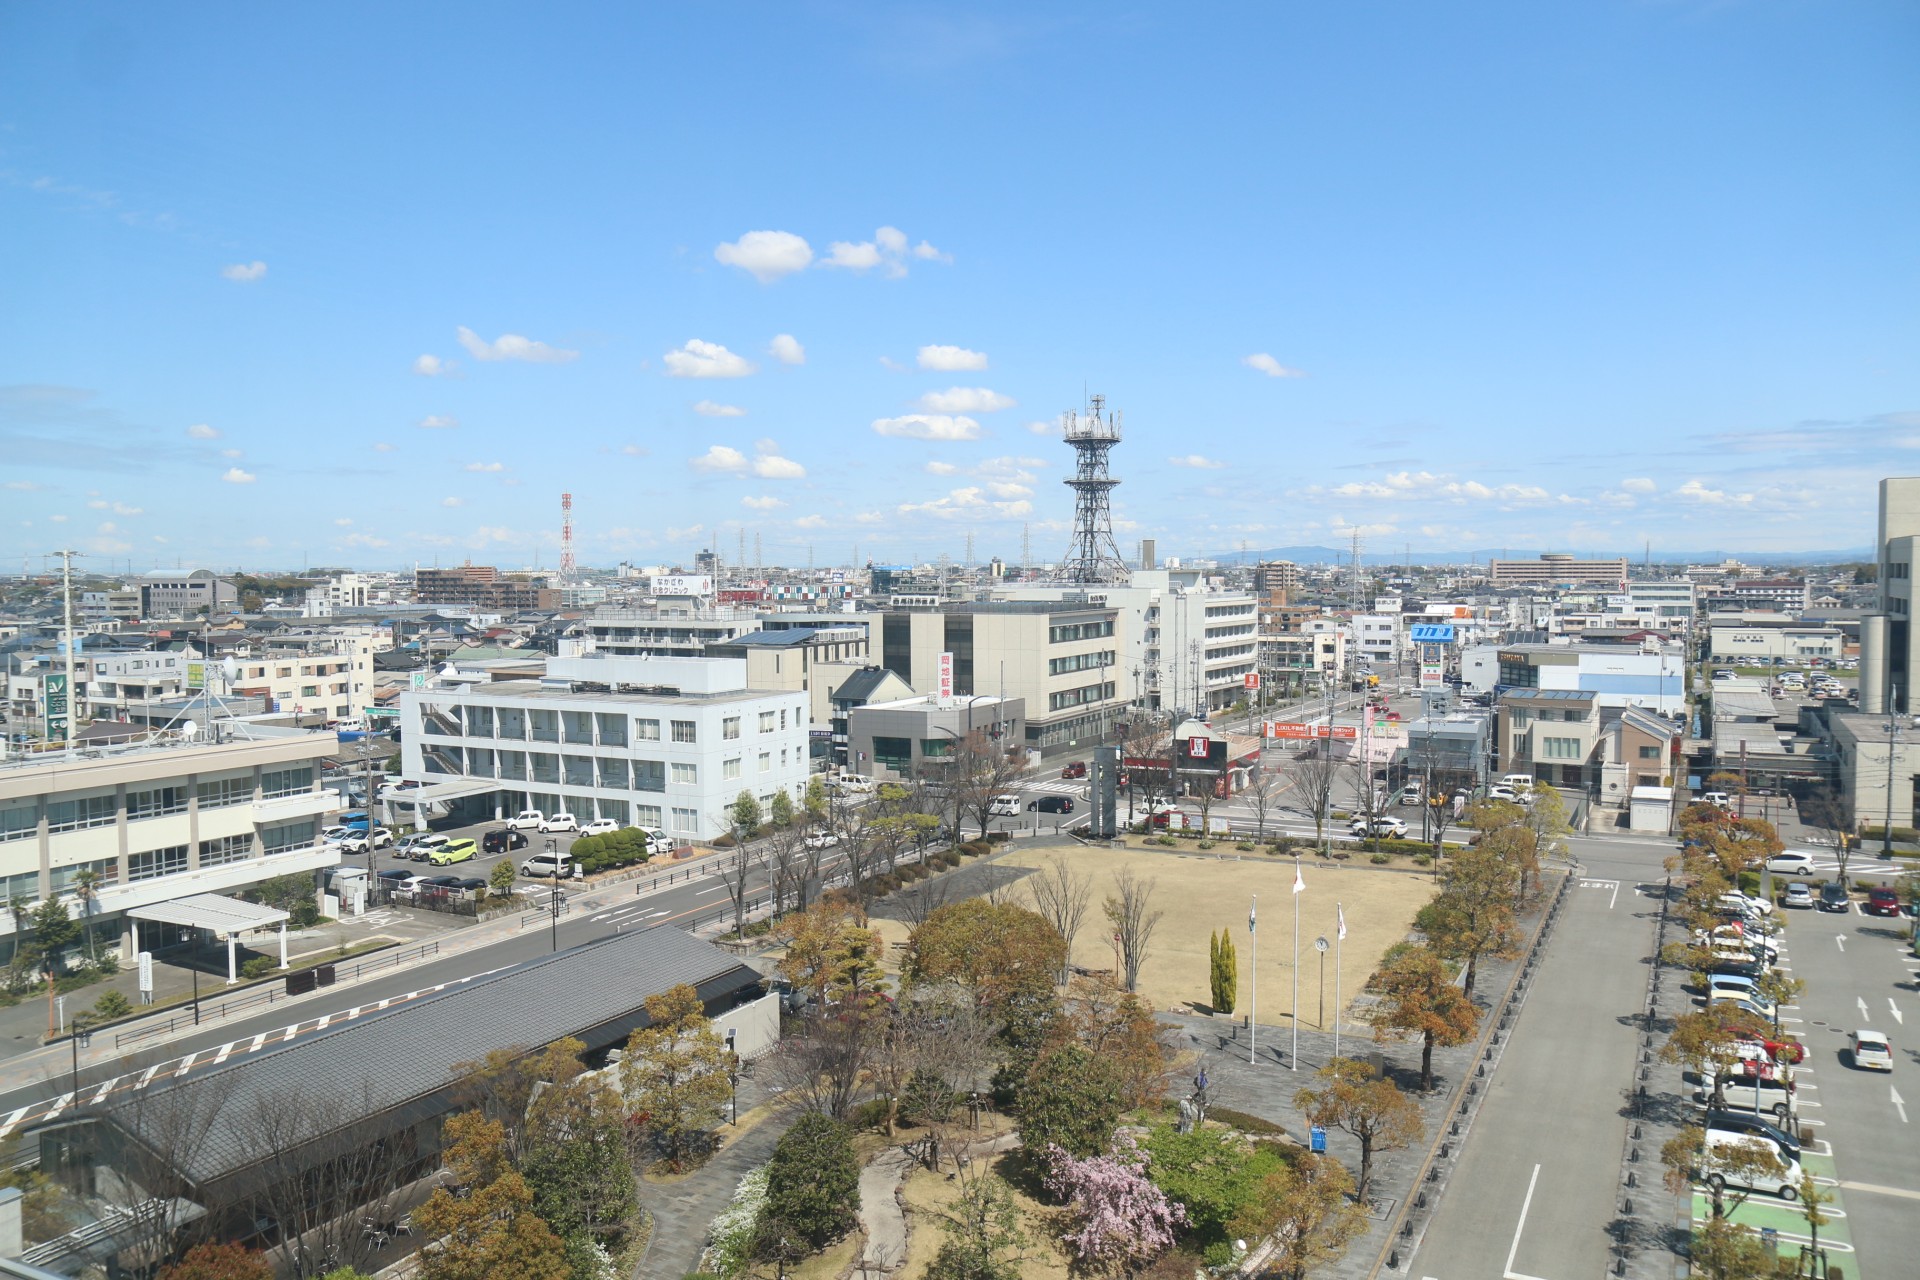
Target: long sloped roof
[{"x": 397, "y": 1060}]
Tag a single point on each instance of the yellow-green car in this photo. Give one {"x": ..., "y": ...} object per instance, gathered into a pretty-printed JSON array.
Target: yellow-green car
[{"x": 453, "y": 851}]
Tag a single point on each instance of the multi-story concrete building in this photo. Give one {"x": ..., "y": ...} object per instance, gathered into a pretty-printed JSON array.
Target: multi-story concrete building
[
  {"x": 481, "y": 587},
  {"x": 1557, "y": 571},
  {"x": 666, "y": 631},
  {"x": 813, "y": 660},
  {"x": 1666, "y": 602},
  {"x": 1376, "y": 641},
  {"x": 342, "y": 593},
  {"x": 112, "y": 604},
  {"x": 1549, "y": 733},
  {"x": 1889, "y": 642},
  {"x": 1772, "y": 640},
  {"x": 1275, "y": 581},
  {"x": 904, "y": 739},
  {"x": 329, "y": 676},
  {"x": 166, "y": 594},
  {"x": 1616, "y": 675},
  {"x": 1061, "y": 659},
  {"x": 1780, "y": 595},
  {"x": 160, "y": 821},
  {"x": 662, "y": 743}
]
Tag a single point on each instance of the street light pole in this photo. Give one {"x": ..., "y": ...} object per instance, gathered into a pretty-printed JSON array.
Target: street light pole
[
  {"x": 1886, "y": 829},
  {"x": 553, "y": 860}
]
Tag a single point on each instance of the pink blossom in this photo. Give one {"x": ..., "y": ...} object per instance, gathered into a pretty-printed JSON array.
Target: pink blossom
[{"x": 1117, "y": 1214}]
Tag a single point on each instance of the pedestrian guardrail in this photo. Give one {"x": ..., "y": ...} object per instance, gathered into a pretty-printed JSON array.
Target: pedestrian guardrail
[{"x": 262, "y": 997}]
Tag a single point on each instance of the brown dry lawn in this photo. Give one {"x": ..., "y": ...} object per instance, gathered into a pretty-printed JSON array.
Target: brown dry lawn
[
  {"x": 1200, "y": 894},
  {"x": 927, "y": 1195}
]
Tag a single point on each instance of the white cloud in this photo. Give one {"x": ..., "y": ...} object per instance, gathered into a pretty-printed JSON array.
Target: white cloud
[
  {"x": 951, "y": 359},
  {"x": 719, "y": 457},
  {"x": 232, "y": 453},
  {"x": 1043, "y": 428},
  {"x": 245, "y": 272},
  {"x": 511, "y": 346},
  {"x": 787, "y": 349},
  {"x": 1198, "y": 461},
  {"x": 201, "y": 431},
  {"x": 345, "y": 522},
  {"x": 811, "y": 522},
  {"x": 710, "y": 409},
  {"x": 771, "y": 466},
  {"x": 888, "y": 250},
  {"x": 365, "y": 540},
  {"x": 699, "y": 359},
  {"x": 969, "y": 503},
  {"x": 437, "y": 422},
  {"x": 118, "y": 508},
  {"x": 1268, "y": 365},
  {"x": 966, "y": 400},
  {"x": 22, "y": 486},
  {"x": 680, "y": 535},
  {"x": 767, "y": 503},
  {"x": 1638, "y": 484},
  {"x": 453, "y": 502},
  {"x": 57, "y": 519},
  {"x": 633, "y": 450},
  {"x": 1695, "y": 491},
  {"x": 928, "y": 426},
  {"x": 766, "y": 255},
  {"x": 486, "y": 466},
  {"x": 235, "y": 475},
  {"x": 434, "y": 367},
  {"x": 382, "y": 447},
  {"x": 942, "y": 469},
  {"x": 1008, "y": 489},
  {"x": 871, "y": 517}
]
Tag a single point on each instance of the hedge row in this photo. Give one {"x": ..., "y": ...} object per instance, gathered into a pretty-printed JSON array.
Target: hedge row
[{"x": 623, "y": 848}]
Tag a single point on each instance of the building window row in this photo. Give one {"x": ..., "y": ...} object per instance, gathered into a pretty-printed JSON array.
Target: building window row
[
  {"x": 286, "y": 782},
  {"x": 218, "y": 853},
  {"x": 81, "y": 813},
  {"x": 1080, "y": 662},
  {"x": 1080, "y": 697},
  {"x": 287, "y": 837},
  {"x": 1067, "y": 632},
  {"x": 66, "y": 879},
  {"x": 156, "y": 802},
  {"x": 153, "y": 863},
  {"x": 1560, "y": 749}
]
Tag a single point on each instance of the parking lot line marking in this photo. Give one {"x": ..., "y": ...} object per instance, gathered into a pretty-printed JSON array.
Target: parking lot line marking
[
  {"x": 1879, "y": 1190},
  {"x": 1513, "y": 1251}
]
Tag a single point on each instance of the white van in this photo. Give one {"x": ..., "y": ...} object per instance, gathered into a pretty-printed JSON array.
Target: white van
[
  {"x": 1782, "y": 1180},
  {"x": 1007, "y": 806},
  {"x": 526, "y": 820},
  {"x": 1518, "y": 781},
  {"x": 1773, "y": 1097},
  {"x": 545, "y": 866}
]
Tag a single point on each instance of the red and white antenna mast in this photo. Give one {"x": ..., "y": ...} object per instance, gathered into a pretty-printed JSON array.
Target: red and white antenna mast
[{"x": 566, "y": 538}]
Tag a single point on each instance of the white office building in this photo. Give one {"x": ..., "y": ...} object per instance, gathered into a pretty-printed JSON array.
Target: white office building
[{"x": 663, "y": 743}]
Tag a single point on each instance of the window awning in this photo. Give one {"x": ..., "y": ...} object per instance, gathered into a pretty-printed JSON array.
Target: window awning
[{"x": 220, "y": 915}]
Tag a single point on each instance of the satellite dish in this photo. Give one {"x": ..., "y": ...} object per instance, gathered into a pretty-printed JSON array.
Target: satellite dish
[
  {"x": 190, "y": 730},
  {"x": 229, "y": 668}
]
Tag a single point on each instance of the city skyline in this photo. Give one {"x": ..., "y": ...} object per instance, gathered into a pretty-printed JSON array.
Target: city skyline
[{"x": 832, "y": 276}]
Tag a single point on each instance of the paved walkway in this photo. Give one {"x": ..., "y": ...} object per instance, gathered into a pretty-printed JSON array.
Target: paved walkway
[
  {"x": 881, "y": 1216},
  {"x": 682, "y": 1211}
]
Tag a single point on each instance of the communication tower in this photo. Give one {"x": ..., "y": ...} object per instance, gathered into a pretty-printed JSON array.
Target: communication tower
[
  {"x": 566, "y": 538},
  {"x": 1092, "y": 557}
]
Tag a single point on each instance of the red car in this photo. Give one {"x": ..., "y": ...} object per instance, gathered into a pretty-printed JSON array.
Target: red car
[
  {"x": 1882, "y": 902},
  {"x": 1078, "y": 769},
  {"x": 1786, "y": 1051}
]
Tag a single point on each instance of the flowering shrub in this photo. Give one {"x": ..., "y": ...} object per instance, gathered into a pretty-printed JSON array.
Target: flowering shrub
[
  {"x": 730, "y": 1238},
  {"x": 1118, "y": 1216}
]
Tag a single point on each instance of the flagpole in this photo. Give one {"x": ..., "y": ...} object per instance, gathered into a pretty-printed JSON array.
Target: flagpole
[
  {"x": 1295, "y": 1054},
  {"x": 1339, "y": 935},
  {"x": 1253, "y": 981}
]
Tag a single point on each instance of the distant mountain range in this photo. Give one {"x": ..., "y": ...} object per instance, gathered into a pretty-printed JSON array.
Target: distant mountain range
[{"x": 1335, "y": 555}]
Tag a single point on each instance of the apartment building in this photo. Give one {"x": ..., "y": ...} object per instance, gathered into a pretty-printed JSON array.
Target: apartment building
[
  {"x": 666, "y": 631},
  {"x": 159, "y": 821},
  {"x": 664, "y": 743},
  {"x": 1616, "y": 675},
  {"x": 1557, "y": 571},
  {"x": 1376, "y": 640},
  {"x": 481, "y": 587},
  {"x": 1275, "y": 581},
  {"x": 1780, "y": 595},
  {"x": 115, "y": 604},
  {"x": 328, "y": 676},
  {"x": 1549, "y": 733}
]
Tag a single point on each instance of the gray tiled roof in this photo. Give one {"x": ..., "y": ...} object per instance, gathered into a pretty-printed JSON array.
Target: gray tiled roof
[{"x": 397, "y": 1060}]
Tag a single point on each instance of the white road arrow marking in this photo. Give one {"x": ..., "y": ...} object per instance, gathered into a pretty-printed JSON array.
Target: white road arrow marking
[
  {"x": 1899, "y": 1103},
  {"x": 1841, "y": 940},
  {"x": 1862, "y": 1002},
  {"x": 1894, "y": 1009}
]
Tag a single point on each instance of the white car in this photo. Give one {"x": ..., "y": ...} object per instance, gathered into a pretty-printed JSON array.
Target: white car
[
  {"x": 526, "y": 820},
  {"x": 545, "y": 866},
  {"x": 334, "y": 835},
  {"x": 1004, "y": 807},
  {"x": 851, "y": 782},
  {"x": 1718, "y": 799},
  {"x": 822, "y": 840},
  {"x": 1752, "y": 1001},
  {"x": 356, "y": 841},
  {"x": 1791, "y": 862},
  {"x": 1392, "y": 827},
  {"x": 1871, "y": 1052},
  {"x": 600, "y": 827},
  {"x": 558, "y": 822}
]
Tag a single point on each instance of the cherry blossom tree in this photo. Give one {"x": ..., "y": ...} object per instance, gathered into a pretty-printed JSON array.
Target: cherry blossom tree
[{"x": 1118, "y": 1216}]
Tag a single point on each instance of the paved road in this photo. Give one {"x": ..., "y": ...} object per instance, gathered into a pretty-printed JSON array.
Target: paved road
[{"x": 1535, "y": 1186}]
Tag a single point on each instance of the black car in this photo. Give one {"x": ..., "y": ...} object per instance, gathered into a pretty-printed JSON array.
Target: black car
[
  {"x": 504, "y": 840},
  {"x": 470, "y": 885},
  {"x": 1758, "y": 1126},
  {"x": 1833, "y": 896},
  {"x": 1050, "y": 804}
]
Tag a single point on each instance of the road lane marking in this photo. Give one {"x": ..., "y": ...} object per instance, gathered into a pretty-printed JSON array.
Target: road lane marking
[
  {"x": 257, "y": 1042},
  {"x": 1895, "y": 1010},
  {"x": 1525, "y": 1205},
  {"x": 1879, "y": 1190},
  {"x": 1899, "y": 1103},
  {"x": 186, "y": 1064},
  {"x": 1840, "y": 940},
  {"x": 221, "y": 1054}
]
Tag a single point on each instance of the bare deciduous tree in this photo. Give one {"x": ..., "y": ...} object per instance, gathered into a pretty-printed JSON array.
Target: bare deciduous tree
[
  {"x": 1060, "y": 894},
  {"x": 1263, "y": 794},
  {"x": 1314, "y": 777},
  {"x": 786, "y": 867},
  {"x": 823, "y": 1067},
  {"x": 921, "y": 900},
  {"x": 1130, "y": 910},
  {"x": 735, "y": 868}
]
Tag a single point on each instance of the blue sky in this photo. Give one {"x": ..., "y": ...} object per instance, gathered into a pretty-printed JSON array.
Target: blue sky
[{"x": 377, "y": 283}]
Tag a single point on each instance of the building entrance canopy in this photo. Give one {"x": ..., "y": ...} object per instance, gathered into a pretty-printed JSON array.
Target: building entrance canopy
[{"x": 221, "y": 916}]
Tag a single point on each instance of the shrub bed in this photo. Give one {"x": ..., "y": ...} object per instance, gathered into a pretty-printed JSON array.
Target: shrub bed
[{"x": 623, "y": 848}]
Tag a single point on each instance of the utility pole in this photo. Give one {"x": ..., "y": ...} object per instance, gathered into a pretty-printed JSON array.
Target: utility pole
[{"x": 66, "y": 592}]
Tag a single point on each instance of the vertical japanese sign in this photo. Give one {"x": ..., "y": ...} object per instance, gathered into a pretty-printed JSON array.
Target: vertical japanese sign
[
  {"x": 946, "y": 677},
  {"x": 54, "y": 729}
]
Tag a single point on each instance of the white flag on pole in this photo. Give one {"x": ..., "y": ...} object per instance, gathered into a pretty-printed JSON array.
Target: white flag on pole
[
  {"x": 1340, "y": 915},
  {"x": 1298, "y": 883},
  {"x": 1250, "y": 913}
]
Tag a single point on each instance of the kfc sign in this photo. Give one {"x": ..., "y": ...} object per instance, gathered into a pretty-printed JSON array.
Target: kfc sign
[{"x": 1198, "y": 748}]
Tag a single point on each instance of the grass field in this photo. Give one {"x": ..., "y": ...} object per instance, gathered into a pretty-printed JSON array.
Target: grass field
[{"x": 1200, "y": 894}]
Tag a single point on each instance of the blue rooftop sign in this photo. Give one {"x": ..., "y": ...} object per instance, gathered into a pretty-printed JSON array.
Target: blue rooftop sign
[{"x": 1431, "y": 633}]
